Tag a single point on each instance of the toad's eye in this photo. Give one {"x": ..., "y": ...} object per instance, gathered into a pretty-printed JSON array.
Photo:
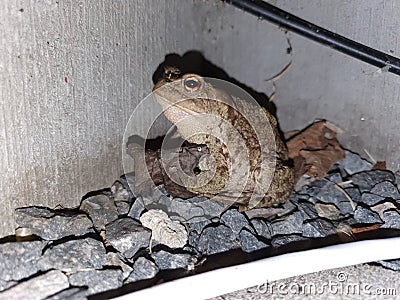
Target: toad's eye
[{"x": 191, "y": 84}]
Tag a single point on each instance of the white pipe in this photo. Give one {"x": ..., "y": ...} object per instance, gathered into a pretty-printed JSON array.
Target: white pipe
[{"x": 226, "y": 280}]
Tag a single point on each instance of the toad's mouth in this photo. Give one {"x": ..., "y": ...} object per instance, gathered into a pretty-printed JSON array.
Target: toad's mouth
[{"x": 173, "y": 111}]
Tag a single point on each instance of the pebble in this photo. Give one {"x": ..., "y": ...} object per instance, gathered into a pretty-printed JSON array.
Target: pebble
[
  {"x": 137, "y": 209},
  {"x": 386, "y": 189},
  {"x": 117, "y": 260},
  {"x": 19, "y": 260},
  {"x": 249, "y": 242},
  {"x": 167, "y": 261},
  {"x": 307, "y": 210},
  {"x": 217, "y": 239},
  {"x": 142, "y": 269},
  {"x": 290, "y": 225},
  {"x": 391, "y": 219},
  {"x": 318, "y": 228},
  {"x": 76, "y": 293},
  {"x": 127, "y": 236},
  {"x": 122, "y": 188},
  {"x": 38, "y": 287},
  {"x": 185, "y": 209},
  {"x": 371, "y": 199},
  {"x": 353, "y": 193},
  {"x": 262, "y": 227},
  {"x": 328, "y": 211},
  {"x": 52, "y": 225},
  {"x": 97, "y": 281},
  {"x": 365, "y": 181},
  {"x": 353, "y": 163},
  {"x": 198, "y": 224},
  {"x": 74, "y": 255},
  {"x": 365, "y": 216},
  {"x": 282, "y": 240},
  {"x": 101, "y": 209},
  {"x": 235, "y": 220},
  {"x": 123, "y": 208}
]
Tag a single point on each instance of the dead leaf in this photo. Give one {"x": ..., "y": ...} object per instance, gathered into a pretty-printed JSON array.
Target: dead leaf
[
  {"x": 380, "y": 165},
  {"x": 365, "y": 229},
  {"x": 315, "y": 149}
]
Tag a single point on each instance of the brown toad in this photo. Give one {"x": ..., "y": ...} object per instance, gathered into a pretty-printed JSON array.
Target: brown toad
[{"x": 248, "y": 163}]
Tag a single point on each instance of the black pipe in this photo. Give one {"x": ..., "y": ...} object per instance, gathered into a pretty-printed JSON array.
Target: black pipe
[{"x": 280, "y": 17}]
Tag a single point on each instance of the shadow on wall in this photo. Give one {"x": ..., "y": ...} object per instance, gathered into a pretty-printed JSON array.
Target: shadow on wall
[{"x": 195, "y": 62}]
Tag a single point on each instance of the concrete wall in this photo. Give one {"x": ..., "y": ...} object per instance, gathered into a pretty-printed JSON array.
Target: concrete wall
[
  {"x": 321, "y": 83},
  {"x": 72, "y": 72}
]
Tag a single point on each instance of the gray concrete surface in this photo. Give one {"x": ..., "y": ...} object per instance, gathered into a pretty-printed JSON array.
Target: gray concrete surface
[
  {"x": 71, "y": 73},
  {"x": 354, "y": 282}
]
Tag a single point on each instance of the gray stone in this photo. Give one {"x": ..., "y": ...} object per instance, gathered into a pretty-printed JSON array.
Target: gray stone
[
  {"x": 365, "y": 181},
  {"x": 328, "y": 211},
  {"x": 127, "y": 236},
  {"x": 198, "y": 224},
  {"x": 39, "y": 287},
  {"x": 217, "y": 239},
  {"x": 393, "y": 264},
  {"x": 117, "y": 260},
  {"x": 164, "y": 200},
  {"x": 101, "y": 209},
  {"x": 353, "y": 193},
  {"x": 334, "y": 177},
  {"x": 249, "y": 242},
  {"x": 6, "y": 284},
  {"x": 52, "y": 225},
  {"x": 185, "y": 208},
  {"x": 123, "y": 207},
  {"x": 137, "y": 209},
  {"x": 307, "y": 210},
  {"x": 167, "y": 261},
  {"x": 76, "y": 293},
  {"x": 365, "y": 216},
  {"x": 97, "y": 281},
  {"x": 19, "y": 260},
  {"x": 391, "y": 219},
  {"x": 290, "y": 225},
  {"x": 142, "y": 269},
  {"x": 353, "y": 163},
  {"x": 330, "y": 194},
  {"x": 193, "y": 238},
  {"x": 318, "y": 228},
  {"x": 262, "y": 227},
  {"x": 234, "y": 220},
  {"x": 371, "y": 199},
  {"x": 74, "y": 255},
  {"x": 386, "y": 189},
  {"x": 282, "y": 240},
  {"x": 397, "y": 179},
  {"x": 122, "y": 188},
  {"x": 210, "y": 207}
]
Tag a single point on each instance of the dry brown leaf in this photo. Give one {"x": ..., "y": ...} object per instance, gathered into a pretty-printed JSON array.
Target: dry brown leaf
[
  {"x": 314, "y": 150},
  {"x": 365, "y": 229},
  {"x": 380, "y": 165}
]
